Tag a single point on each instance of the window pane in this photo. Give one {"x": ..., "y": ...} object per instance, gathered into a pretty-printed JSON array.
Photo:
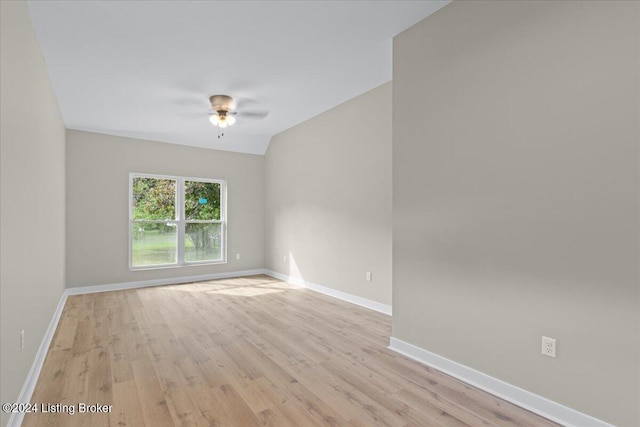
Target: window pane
[
  {"x": 154, "y": 198},
  {"x": 153, "y": 243},
  {"x": 202, "y": 200},
  {"x": 203, "y": 242}
]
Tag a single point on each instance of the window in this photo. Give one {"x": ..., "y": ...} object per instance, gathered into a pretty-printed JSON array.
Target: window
[{"x": 175, "y": 221}]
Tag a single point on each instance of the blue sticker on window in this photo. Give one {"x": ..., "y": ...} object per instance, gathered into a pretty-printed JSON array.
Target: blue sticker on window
[{"x": 203, "y": 201}]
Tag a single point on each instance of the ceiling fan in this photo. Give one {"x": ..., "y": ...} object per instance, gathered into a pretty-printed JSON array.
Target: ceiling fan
[{"x": 225, "y": 109}]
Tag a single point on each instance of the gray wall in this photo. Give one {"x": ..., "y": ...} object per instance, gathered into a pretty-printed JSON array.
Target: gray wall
[
  {"x": 32, "y": 198},
  {"x": 328, "y": 203},
  {"x": 515, "y": 195},
  {"x": 98, "y": 168}
]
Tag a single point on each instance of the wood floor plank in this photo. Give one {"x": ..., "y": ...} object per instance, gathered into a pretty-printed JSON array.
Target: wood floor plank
[
  {"x": 99, "y": 385},
  {"x": 415, "y": 414},
  {"x": 153, "y": 403},
  {"x": 232, "y": 404},
  {"x": 286, "y": 409},
  {"x": 126, "y": 405},
  {"x": 254, "y": 395},
  {"x": 250, "y": 351}
]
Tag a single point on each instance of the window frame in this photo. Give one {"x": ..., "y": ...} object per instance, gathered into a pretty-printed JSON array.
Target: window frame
[{"x": 181, "y": 221}]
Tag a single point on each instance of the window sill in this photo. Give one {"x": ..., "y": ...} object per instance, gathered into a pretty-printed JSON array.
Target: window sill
[{"x": 168, "y": 266}]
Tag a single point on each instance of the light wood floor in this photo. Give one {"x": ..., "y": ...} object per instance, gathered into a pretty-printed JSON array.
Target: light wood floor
[{"x": 244, "y": 352}]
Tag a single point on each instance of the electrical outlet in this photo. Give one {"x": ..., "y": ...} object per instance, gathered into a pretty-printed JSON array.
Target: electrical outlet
[
  {"x": 549, "y": 346},
  {"x": 22, "y": 340},
  {"x": 237, "y": 256},
  {"x": 369, "y": 277}
]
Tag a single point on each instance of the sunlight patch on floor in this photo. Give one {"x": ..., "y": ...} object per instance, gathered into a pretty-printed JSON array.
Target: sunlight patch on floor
[
  {"x": 248, "y": 291},
  {"x": 251, "y": 288}
]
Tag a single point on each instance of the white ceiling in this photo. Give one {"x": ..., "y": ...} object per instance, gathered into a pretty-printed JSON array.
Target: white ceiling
[{"x": 145, "y": 69}]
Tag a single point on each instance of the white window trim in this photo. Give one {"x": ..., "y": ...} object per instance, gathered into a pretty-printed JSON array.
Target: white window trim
[{"x": 180, "y": 221}]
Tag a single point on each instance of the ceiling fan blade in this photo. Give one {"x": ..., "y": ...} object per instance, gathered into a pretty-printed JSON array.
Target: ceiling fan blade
[
  {"x": 254, "y": 115},
  {"x": 190, "y": 115},
  {"x": 251, "y": 109}
]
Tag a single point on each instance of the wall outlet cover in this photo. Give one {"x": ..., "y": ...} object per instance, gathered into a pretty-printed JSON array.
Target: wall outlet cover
[{"x": 548, "y": 346}]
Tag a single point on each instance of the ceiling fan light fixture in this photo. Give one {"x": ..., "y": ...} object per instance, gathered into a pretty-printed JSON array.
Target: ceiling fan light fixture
[
  {"x": 222, "y": 119},
  {"x": 214, "y": 119}
]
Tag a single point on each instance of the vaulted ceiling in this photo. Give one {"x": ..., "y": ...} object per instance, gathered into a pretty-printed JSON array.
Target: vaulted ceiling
[{"x": 145, "y": 69}]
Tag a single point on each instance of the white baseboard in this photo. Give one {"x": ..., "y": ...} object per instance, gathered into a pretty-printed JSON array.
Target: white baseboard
[
  {"x": 537, "y": 404},
  {"x": 32, "y": 377},
  {"x": 159, "y": 282},
  {"x": 353, "y": 299}
]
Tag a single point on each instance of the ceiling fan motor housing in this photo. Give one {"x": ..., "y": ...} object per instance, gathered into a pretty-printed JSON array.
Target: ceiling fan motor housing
[{"x": 221, "y": 103}]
